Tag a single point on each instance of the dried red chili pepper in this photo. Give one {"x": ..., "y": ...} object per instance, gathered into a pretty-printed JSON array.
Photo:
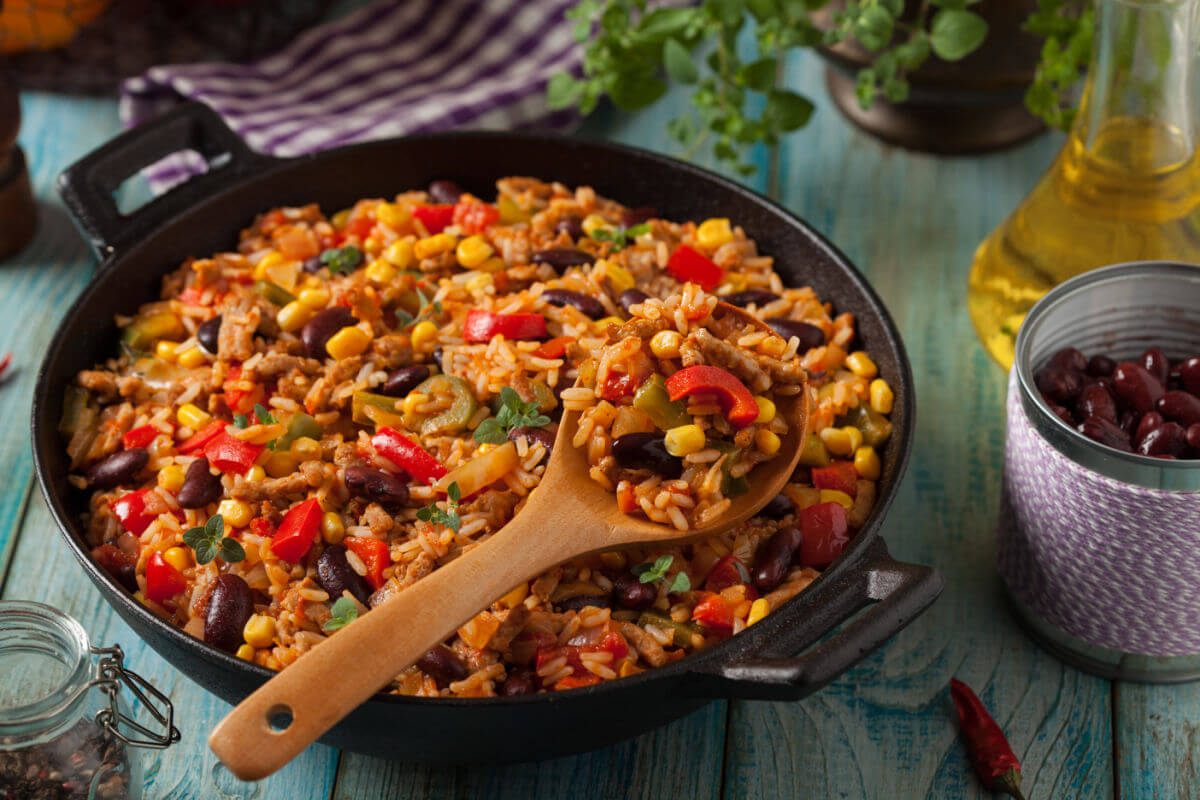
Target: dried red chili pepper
[
  {"x": 994, "y": 761},
  {"x": 4, "y": 362}
]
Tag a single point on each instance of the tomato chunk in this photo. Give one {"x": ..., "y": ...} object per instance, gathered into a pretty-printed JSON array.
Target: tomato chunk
[
  {"x": 691, "y": 266},
  {"x": 826, "y": 534},
  {"x": 297, "y": 531},
  {"x": 715, "y": 614},
  {"x": 162, "y": 580},
  {"x": 435, "y": 217},
  {"x": 131, "y": 510},
  {"x": 474, "y": 216},
  {"x": 840, "y": 476},
  {"x": 729, "y": 571}
]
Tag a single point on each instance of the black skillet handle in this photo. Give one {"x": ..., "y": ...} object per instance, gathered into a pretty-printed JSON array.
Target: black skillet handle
[
  {"x": 87, "y": 186},
  {"x": 895, "y": 592}
]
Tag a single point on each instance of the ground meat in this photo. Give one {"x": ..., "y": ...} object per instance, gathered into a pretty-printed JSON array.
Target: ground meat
[
  {"x": 273, "y": 490},
  {"x": 725, "y": 355},
  {"x": 346, "y": 455},
  {"x": 393, "y": 350},
  {"x": 642, "y": 328},
  {"x": 513, "y": 623},
  {"x": 418, "y": 568},
  {"x": 235, "y": 341},
  {"x": 379, "y": 521},
  {"x": 101, "y": 383},
  {"x": 274, "y": 364},
  {"x": 645, "y": 644},
  {"x": 544, "y": 586}
]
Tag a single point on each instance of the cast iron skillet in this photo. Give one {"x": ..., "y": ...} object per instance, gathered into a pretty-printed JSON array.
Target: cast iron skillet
[{"x": 205, "y": 214}]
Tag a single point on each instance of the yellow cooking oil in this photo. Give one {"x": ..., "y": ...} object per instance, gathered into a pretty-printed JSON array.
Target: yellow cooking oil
[{"x": 1128, "y": 192}]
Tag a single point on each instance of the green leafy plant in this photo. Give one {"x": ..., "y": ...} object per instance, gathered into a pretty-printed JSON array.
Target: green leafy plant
[
  {"x": 620, "y": 236},
  {"x": 514, "y": 413},
  {"x": 343, "y": 260},
  {"x": 425, "y": 309},
  {"x": 657, "y": 571},
  {"x": 344, "y": 612},
  {"x": 210, "y": 541},
  {"x": 447, "y": 516},
  {"x": 632, "y": 52},
  {"x": 1068, "y": 27}
]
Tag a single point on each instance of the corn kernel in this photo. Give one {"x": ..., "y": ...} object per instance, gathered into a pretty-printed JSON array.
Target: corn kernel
[
  {"x": 306, "y": 448},
  {"x": 192, "y": 417},
  {"x": 603, "y": 323},
  {"x": 280, "y": 465},
  {"x": 255, "y": 474},
  {"x": 684, "y": 440},
  {"x": 493, "y": 264},
  {"x": 293, "y": 316},
  {"x": 479, "y": 283},
  {"x": 766, "y": 410},
  {"x": 410, "y": 402},
  {"x": 515, "y": 597},
  {"x": 773, "y": 346},
  {"x": 191, "y": 358},
  {"x": 381, "y": 271},
  {"x": 315, "y": 298},
  {"x": 259, "y": 631},
  {"x": 165, "y": 351},
  {"x": 473, "y": 251},
  {"x": 271, "y": 259},
  {"x": 332, "y": 528},
  {"x": 861, "y": 365},
  {"x": 866, "y": 463},
  {"x": 841, "y": 498},
  {"x": 246, "y": 653},
  {"x": 766, "y": 441},
  {"x": 177, "y": 557},
  {"x": 340, "y": 219},
  {"x": 434, "y": 245},
  {"x": 881, "y": 396},
  {"x": 713, "y": 233},
  {"x": 424, "y": 335},
  {"x": 393, "y": 215},
  {"x": 372, "y": 245},
  {"x": 618, "y": 277},
  {"x": 170, "y": 478},
  {"x": 348, "y": 342},
  {"x": 758, "y": 610},
  {"x": 400, "y": 253},
  {"x": 665, "y": 344},
  {"x": 842, "y": 441},
  {"x": 594, "y": 222},
  {"x": 237, "y": 513}
]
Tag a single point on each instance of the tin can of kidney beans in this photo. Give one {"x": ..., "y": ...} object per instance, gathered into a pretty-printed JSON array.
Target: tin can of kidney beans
[{"x": 1100, "y": 548}]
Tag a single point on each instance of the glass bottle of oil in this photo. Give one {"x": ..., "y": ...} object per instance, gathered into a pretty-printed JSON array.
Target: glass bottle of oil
[{"x": 1126, "y": 186}]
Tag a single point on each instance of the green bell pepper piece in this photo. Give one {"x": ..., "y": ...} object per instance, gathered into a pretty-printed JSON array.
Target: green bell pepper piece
[
  {"x": 683, "y": 630},
  {"x": 651, "y": 398},
  {"x": 875, "y": 427},
  {"x": 274, "y": 293},
  {"x": 380, "y": 401},
  {"x": 462, "y": 408},
  {"x": 75, "y": 400},
  {"x": 299, "y": 426},
  {"x": 813, "y": 453}
]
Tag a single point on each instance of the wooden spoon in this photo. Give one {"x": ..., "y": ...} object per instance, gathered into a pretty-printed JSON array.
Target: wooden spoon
[{"x": 569, "y": 515}]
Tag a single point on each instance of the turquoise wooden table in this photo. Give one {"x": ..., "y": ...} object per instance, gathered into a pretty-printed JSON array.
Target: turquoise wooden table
[{"x": 884, "y": 730}]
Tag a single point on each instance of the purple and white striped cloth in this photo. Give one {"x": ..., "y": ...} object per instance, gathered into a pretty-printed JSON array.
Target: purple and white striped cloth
[{"x": 389, "y": 69}]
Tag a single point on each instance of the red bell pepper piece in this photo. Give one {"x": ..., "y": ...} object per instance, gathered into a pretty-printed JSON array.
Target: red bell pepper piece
[
  {"x": 826, "y": 534},
  {"x": 240, "y": 399},
  {"x": 611, "y": 642},
  {"x": 131, "y": 510},
  {"x": 715, "y": 614},
  {"x": 435, "y": 217},
  {"x": 736, "y": 401},
  {"x": 729, "y": 571},
  {"x": 474, "y": 216},
  {"x": 407, "y": 455},
  {"x": 359, "y": 227},
  {"x": 202, "y": 436},
  {"x": 840, "y": 475},
  {"x": 547, "y": 654},
  {"x": 230, "y": 454},
  {"x": 373, "y": 553},
  {"x": 555, "y": 348},
  {"x": 576, "y": 681},
  {"x": 297, "y": 531},
  {"x": 690, "y": 266},
  {"x": 139, "y": 437},
  {"x": 483, "y": 326},
  {"x": 162, "y": 580}
]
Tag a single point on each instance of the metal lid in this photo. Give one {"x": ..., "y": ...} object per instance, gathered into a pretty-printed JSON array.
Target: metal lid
[{"x": 1119, "y": 311}]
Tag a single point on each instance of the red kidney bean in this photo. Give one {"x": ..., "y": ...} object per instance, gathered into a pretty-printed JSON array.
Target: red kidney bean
[
  {"x": 322, "y": 326},
  {"x": 646, "y": 451},
  {"x": 444, "y": 192},
  {"x": 1069, "y": 359},
  {"x": 443, "y": 665},
  {"x": 779, "y": 507},
  {"x": 1156, "y": 363},
  {"x": 1183, "y": 407},
  {"x": 229, "y": 606},
  {"x": 632, "y": 297},
  {"x": 520, "y": 681},
  {"x": 810, "y": 336},
  {"x": 1059, "y": 385},
  {"x": 1061, "y": 413},
  {"x": 533, "y": 435},
  {"x": 209, "y": 335},
  {"x": 200, "y": 487},
  {"x": 1095, "y": 401},
  {"x": 636, "y": 216},
  {"x": 582, "y": 601},
  {"x": 774, "y": 559},
  {"x": 1104, "y": 432},
  {"x": 586, "y": 304},
  {"x": 1193, "y": 436},
  {"x": 571, "y": 226},
  {"x": 376, "y": 485},
  {"x": 117, "y": 468},
  {"x": 1137, "y": 387},
  {"x": 404, "y": 380},
  {"x": 1100, "y": 366},
  {"x": 335, "y": 575},
  {"x": 1189, "y": 373},
  {"x": 630, "y": 592},
  {"x": 126, "y": 575},
  {"x": 759, "y": 297},
  {"x": 1169, "y": 439},
  {"x": 438, "y": 352},
  {"x": 1128, "y": 421},
  {"x": 1147, "y": 423},
  {"x": 563, "y": 258}
]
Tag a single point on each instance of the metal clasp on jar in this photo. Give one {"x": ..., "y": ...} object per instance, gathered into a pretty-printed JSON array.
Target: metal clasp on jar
[{"x": 110, "y": 675}]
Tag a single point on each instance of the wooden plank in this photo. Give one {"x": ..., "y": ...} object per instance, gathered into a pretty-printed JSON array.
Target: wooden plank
[
  {"x": 911, "y": 223},
  {"x": 1158, "y": 731}
]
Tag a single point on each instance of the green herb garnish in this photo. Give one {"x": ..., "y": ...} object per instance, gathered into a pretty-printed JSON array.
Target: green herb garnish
[
  {"x": 425, "y": 308},
  {"x": 209, "y": 542},
  {"x": 241, "y": 421},
  {"x": 649, "y": 573},
  {"x": 342, "y": 260},
  {"x": 447, "y": 516},
  {"x": 514, "y": 413},
  {"x": 620, "y": 236},
  {"x": 344, "y": 612},
  {"x": 263, "y": 416}
]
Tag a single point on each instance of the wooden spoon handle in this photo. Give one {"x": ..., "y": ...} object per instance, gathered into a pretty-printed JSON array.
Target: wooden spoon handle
[{"x": 342, "y": 672}]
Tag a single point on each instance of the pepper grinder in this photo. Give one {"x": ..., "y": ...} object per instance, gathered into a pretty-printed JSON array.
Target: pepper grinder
[{"x": 18, "y": 213}]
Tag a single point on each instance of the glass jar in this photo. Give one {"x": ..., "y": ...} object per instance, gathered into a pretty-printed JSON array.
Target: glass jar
[{"x": 65, "y": 730}]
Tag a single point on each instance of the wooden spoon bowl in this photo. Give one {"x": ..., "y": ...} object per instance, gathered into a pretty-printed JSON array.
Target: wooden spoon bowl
[{"x": 567, "y": 516}]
